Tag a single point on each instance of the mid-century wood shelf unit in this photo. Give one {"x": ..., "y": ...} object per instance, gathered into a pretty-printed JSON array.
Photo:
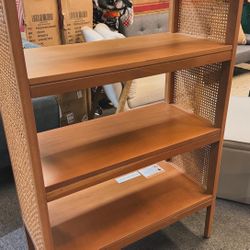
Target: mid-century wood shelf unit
[{"x": 65, "y": 177}]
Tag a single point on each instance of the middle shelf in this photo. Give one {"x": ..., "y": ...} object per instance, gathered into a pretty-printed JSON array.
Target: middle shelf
[{"x": 91, "y": 152}]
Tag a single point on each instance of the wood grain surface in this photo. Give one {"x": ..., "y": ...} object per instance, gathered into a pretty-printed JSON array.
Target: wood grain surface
[
  {"x": 112, "y": 215},
  {"x": 80, "y": 151},
  {"x": 60, "y": 63}
]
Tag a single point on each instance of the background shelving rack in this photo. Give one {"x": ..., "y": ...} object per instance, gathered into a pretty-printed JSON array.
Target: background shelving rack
[{"x": 57, "y": 172}]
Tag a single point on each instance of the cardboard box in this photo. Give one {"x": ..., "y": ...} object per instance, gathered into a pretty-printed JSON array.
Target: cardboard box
[
  {"x": 42, "y": 22},
  {"x": 73, "y": 107},
  {"x": 75, "y": 14}
]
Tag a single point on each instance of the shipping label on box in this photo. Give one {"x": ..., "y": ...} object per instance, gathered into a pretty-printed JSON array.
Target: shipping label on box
[
  {"x": 74, "y": 15},
  {"x": 42, "y": 22}
]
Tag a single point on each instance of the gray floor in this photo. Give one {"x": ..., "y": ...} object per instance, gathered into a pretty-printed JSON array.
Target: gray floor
[{"x": 231, "y": 227}]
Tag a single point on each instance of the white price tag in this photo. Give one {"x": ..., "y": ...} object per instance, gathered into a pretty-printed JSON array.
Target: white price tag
[
  {"x": 151, "y": 170},
  {"x": 127, "y": 177}
]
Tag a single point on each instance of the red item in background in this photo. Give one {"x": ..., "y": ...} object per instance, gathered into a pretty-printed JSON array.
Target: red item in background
[
  {"x": 19, "y": 6},
  {"x": 151, "y": 6}
]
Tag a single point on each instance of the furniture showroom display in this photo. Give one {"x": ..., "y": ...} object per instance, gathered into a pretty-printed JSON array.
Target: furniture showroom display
[
  {"x": 65, "y": 177},
  {"x": 142, "y": 92}
]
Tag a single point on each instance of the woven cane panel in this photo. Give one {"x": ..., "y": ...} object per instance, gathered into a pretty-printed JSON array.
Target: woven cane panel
[
  {"x": 195, "y": 164},
  {"x": 14, "y": 123},
  {"x": 196, "y": 90},
  {"x": 204, "y": 18}
]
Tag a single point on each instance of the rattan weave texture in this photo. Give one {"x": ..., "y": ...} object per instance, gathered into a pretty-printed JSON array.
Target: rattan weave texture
[
  {"x": 195, "y": 164},
  {"x": 204, "y": 18},
  {"x": 15, "y": 129},
  {"x": 197, "y": 90}
]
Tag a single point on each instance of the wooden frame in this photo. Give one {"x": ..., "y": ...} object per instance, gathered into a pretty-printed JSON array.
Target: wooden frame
[{"x": 73, "y": 210}]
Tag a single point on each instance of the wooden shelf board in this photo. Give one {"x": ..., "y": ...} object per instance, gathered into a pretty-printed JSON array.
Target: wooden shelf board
[
  {"x": 55, "y": 65},
  {"x": 112, "y": 215},
  {"x": 141, "y": 136}
]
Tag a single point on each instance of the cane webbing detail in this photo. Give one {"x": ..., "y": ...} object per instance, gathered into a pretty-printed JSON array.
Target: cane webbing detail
[
  {"x": 204, "y": 18},
  {"x": 197, "y": 90},
  {"x": 14, "y": 123},
  {"x": 195, "y": 164}
]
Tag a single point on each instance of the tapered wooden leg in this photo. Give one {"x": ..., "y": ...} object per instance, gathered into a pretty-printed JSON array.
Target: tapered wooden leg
[
  {"x": 29, "y": 240},
  {"x": 124, "y": 97},
  {"x": 209, "y": 220}
]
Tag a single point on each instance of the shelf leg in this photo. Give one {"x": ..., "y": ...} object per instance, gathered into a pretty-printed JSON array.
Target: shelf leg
[
  {"x": 123, "y": 97},
  {"x": 209, "y": 221},
  {"x": 29, "y": 240}
]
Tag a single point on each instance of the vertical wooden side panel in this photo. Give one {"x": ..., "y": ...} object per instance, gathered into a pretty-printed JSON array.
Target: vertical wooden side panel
[
  {"x": 222, "y": 107},
  {"x": 226, "y": 81},
  {"x": 173, "y": 27},
  {"x": 19, "y": 124},
  {"x": 174, "y": 13},
  {"x": 206, "y": 90}
]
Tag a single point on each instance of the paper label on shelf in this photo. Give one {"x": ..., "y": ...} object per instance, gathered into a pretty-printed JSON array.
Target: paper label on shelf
[
  {"x": 151, "y": 171},
  {"x": 127, "y": 177}
]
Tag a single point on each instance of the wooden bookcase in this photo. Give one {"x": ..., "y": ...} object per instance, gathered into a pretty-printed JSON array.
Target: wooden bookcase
[{"x": 65, "y": 177}]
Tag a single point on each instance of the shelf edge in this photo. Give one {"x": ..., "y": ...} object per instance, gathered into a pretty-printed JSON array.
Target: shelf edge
[
  {"x": 60, "y": 87},
  {"x": 161, "y": 224},
  {"x": 68, "y": 187}
]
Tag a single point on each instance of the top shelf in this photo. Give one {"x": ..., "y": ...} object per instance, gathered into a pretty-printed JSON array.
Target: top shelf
[{"x": 58, "y": 69}]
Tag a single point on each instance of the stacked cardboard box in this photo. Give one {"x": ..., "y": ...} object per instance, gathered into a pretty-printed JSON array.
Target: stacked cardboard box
[
  {"x": 41, "y": 22},
  {"x": 73, "y": 107},
  {"x": 54, "y": 22},
  {"x": 74, "y": 15}
]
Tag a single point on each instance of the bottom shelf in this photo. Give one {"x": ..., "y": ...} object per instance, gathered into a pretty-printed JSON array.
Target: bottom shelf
[{"x": 112, "y": 215}]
